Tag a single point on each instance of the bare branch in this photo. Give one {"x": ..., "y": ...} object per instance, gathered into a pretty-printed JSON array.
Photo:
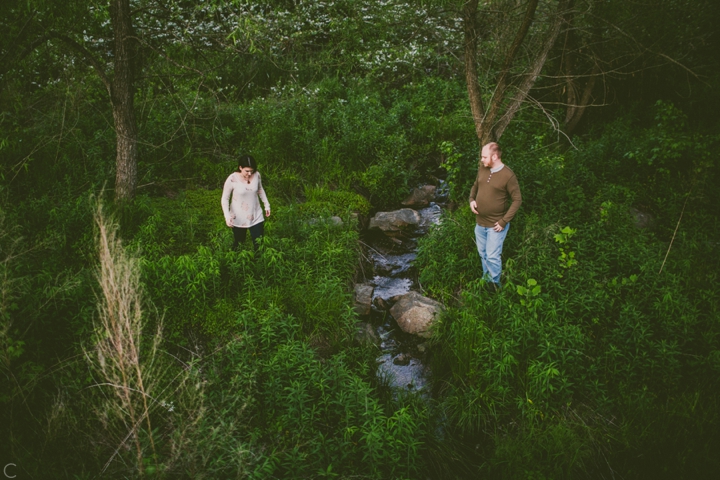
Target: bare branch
[
  {"x": 499, "y": 93},
  {"x": 85, "y": 53},
  {"x": 11, "y": 48},
  {"x": 648, "y": 50},
  {"x": 530, "y": 78}
]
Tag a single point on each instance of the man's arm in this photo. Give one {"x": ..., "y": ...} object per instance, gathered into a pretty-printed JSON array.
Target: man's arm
[
  {"x": 473, "y": 194},
  {"x": 513, "y": 189}
]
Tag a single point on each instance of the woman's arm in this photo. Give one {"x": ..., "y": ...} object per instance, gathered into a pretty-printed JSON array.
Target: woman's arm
[
  {"x": 225, "y": 202},
  {"x": 263, "y": 196}
]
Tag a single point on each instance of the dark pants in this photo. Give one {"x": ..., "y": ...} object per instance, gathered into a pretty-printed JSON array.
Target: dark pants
[{"x": 256, "y": 231}]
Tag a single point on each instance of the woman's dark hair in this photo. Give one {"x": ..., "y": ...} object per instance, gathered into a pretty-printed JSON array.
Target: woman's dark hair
[{"x": 247, "y": 161}]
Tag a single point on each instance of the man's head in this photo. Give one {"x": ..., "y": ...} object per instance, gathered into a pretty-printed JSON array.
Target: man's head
[{"x": 491, "y": 155}]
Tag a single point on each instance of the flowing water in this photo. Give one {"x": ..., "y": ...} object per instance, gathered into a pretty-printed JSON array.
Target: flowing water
[{"x": 401, "y": 363}]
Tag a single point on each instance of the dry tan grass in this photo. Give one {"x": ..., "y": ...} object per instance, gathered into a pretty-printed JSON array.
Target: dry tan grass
[{"x": 122, "y": 357}]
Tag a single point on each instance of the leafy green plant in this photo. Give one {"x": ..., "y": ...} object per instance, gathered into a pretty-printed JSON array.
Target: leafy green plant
[
  {"x": 566, "y": 258},
  {"x": 529, "y": 294}
]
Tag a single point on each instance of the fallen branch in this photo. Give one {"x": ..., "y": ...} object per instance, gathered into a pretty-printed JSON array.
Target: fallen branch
[{"x": 675, "y": 232}]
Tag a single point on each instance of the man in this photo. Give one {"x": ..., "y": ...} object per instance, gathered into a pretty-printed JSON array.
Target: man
[{"x": 494, "y": 185}]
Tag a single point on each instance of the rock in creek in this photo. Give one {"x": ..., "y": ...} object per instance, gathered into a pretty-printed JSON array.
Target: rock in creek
[
  {"x": 381, "y": 304},
  {"x": 363, "y": 298},
  {"x": 420, "y": 197},
  {"x": 392, "y": 265},
  {"x": 395, "y": 222},
  {"x": 402, "y": 359},
  {"x": 415, "y": 314}
]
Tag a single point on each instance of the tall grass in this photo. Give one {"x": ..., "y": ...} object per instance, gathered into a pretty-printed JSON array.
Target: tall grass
[
  {"x": 124, "y": 359},
  {"x": 10, "y": 249},
  {"x": 149, "y": 405}
]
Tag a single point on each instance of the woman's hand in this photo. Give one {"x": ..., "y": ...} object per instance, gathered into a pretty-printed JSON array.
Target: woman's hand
[
  {"x": 267, "y": 212},
  {"x": 229, "y": 220}
]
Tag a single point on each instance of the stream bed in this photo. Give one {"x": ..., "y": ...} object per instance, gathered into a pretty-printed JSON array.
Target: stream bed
[{"x": 401, "y": 363}]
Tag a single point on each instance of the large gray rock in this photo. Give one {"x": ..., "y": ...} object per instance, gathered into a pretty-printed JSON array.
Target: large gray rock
[
  {"x": 363, "y": 298},
  {"x": 420, "y": 197},
  {"x": 415, "y": 314},
  {"x": 395, "y": 222}
]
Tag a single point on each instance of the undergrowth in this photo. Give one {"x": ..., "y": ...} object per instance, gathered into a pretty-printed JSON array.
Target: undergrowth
[{"x": 594, "y": 360}]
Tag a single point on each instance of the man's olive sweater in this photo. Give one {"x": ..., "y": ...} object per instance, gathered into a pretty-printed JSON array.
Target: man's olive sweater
[{"x": 491, "y": 192}]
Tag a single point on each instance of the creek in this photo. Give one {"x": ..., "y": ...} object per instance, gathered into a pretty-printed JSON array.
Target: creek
[{"x": 389, "y": 268}]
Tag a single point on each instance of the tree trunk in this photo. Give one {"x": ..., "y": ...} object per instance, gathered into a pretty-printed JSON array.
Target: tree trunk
[
  {"x": 470, "y": 51},
  {"x": 486, "y": 126},
  {"x": 499, "y": 95},
  {"x": 523, "y": 89},
  {"x": 575, "y": 108},
  {"x": 122, "y": 98},
  {"x": 575, "y": 101}
]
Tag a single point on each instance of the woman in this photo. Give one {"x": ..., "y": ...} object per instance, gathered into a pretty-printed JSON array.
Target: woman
[{"x": 244, "y": 212}]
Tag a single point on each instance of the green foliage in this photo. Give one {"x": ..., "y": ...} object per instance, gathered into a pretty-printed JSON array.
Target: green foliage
[
  {"x": 461, "y": 172},
  {"x": 567, "y": 257},
  {"x": 303, "y": 251},
  {"x": 281, "y": 391},
  {"x": 386, "y": 183},
  {"x": 278, "y": 308},
  {"x": 529, "y": 293},
  {"x": 588, "y": 364},
  {"x": 441, "y": 275},
  {"x": 316, "y": 416},
  {"x": 585, "y": 342},
  {"x": 321, "y": 200},
  {"x": 347, "y": 135},
  {"x": 669, "y": 148}
]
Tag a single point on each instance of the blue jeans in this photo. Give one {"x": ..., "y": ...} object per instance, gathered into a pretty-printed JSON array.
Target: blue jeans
[{"x": 489, "y": 244}]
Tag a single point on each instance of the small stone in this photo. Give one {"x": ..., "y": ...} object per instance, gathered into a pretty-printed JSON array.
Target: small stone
[
  {"x": 381, "y": 303},
  {"x": 363, "y": 298},
  {"x": 402, "y": 360}
]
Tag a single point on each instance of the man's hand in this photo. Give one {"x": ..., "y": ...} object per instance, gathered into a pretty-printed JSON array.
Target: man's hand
[
  {"x": 497, "y": 227},
  {"x": 473, "y": 207}
]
